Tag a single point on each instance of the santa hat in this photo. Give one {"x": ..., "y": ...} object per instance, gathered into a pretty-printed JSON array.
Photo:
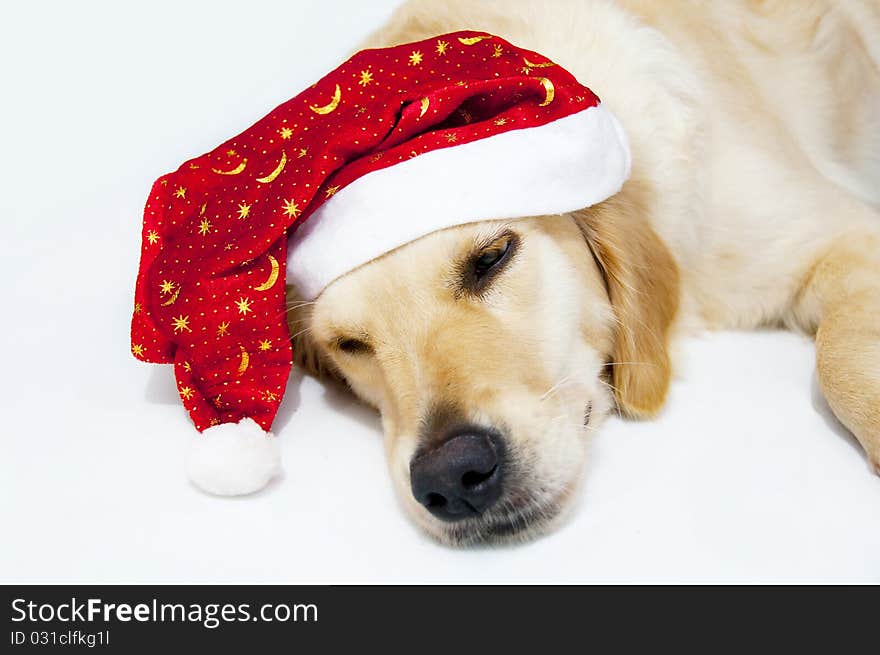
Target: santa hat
[{"x": 460, "y": 127}]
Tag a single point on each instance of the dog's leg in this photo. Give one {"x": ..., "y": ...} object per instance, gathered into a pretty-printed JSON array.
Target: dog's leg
[{"x": 840, "y": 303}]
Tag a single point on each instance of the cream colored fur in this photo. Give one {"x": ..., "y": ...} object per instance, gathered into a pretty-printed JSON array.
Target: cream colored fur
[{"x": 755, "y": 131}]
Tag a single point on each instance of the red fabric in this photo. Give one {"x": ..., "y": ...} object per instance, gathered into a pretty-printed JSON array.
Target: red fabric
[{"x": 210, "y": 294}]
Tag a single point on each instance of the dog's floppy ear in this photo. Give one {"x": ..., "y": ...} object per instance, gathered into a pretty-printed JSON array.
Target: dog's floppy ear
[
  {"x": 643, "y": 285},
  {"x": 306, "y": 353}
]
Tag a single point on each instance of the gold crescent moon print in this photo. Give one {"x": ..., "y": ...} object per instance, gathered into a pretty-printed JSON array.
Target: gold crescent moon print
[
  {"x": 173, "y": 297},
  {"x": 546, "y": 64},
  {"x": 549, "y": 91},
  {"x": 235, "y": 171},
  {"x": 271, "y": 176},
  {"x": 471, "y": 40},
  {"x": 330, "y": 106},
  {"x": 245, "y": 361},
  {"x": 425, "y": 103},
  {"x": 273, "y": 276}
]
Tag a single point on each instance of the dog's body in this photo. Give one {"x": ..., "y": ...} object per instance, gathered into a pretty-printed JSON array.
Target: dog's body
[{"x": 755, "y": 132}]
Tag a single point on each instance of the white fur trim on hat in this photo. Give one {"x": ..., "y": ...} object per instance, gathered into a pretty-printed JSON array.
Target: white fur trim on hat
[
  {"x": 568, "y": 164},
  {"x": 233, "y": 459}
]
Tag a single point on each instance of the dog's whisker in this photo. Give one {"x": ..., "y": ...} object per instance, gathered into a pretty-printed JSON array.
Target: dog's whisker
[
  {"x": 609, "y": 385},
  {"x": 294, "y": 336},
  {"x": 615, "y": 391},
  {"x": 291, "y": 309},
  {"x": 296, "y": 303},
  {"x": 556, "y": 387}
]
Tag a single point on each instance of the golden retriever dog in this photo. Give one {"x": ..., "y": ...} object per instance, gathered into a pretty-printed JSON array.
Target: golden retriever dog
[{"x": 755, "y": 133}]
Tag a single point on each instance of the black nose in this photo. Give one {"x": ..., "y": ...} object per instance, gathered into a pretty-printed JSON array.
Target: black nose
[{"x": 461, "y": 477}]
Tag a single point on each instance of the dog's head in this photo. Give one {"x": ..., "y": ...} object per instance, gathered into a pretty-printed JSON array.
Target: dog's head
[{"x": 492, "y": 350}]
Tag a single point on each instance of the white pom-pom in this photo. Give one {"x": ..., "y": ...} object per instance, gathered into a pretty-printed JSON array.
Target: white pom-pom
[{"x": 233, "y": 459}]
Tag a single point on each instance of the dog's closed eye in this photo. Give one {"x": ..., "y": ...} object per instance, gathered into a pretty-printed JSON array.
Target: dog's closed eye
[
  {"x": 483, "y": 265},
  {"x": 353, "y": 346}
]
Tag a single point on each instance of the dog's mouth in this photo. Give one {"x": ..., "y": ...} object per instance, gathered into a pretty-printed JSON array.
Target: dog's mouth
[{"x": 510, "y": 522}]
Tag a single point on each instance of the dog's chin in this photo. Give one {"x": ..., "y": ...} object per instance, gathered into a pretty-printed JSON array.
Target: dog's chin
[{"x": 505, "y": 525}]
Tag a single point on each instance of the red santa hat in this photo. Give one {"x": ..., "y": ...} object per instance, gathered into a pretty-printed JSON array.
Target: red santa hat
[{"x": 462, "y": 127}]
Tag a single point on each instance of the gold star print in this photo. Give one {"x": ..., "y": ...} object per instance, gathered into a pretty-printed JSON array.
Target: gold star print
[
  {"x": 186, "y": 393},
  {"x": 291, "y": 208},
  {"x": 366, "y": 77},
  {"x": 223, "y": 329},
  {"x": 187, "y": 367},
  {"x": 525, "y": 70},
  {"x": 137, "y": 349},
  {"x": 501, "y": 121},
  {"x": 204, "y": 227},
  {"x": 360, "y": 111},
  {"x": 181, "y": 323},
  {"x": 265, "y": 345},
  {"x": 137, "y": 308},
  {"x": 331, "y": 190},
  {"x": 230, "y": 153},
  {"x": 180, "y": 192},
  {"x": 285, "y": 133},
  {"x": 244, "y": 306},
  {"x": 270, "y": 396},
  {"x": 451, "y": 138},
  {"x": 302, "y": 153},
  {"x": 152, "y": 237},
  {"x": 228, "y": 246},
  {"x": 498, "y": 50},
  {"x": 193, "y": 167},
  {"x": 166, "y": 287},
  {"x": 415, "y": 58},
  {"x": 244, "y": 210},
  {"x": 441, "y": 47},
  {"x": 214, "y": 421}
]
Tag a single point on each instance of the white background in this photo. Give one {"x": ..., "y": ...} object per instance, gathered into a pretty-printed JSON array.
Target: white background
[{"x": 745, "y": 477}]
